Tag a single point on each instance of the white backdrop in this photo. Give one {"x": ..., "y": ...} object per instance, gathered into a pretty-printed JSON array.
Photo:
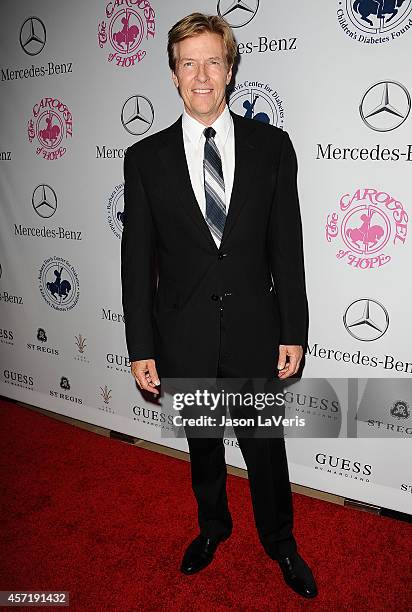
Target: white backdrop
[{"x": 79, "y": 85}]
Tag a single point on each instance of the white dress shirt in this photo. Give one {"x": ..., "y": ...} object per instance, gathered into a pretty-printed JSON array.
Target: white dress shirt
[{"x": 194, "y": 143}]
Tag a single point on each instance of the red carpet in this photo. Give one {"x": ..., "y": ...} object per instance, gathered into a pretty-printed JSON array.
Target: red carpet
[{"x": 109, "y": 522}]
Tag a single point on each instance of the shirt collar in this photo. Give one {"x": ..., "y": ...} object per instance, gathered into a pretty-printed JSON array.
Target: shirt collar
[{"x": 193, "y": 129}]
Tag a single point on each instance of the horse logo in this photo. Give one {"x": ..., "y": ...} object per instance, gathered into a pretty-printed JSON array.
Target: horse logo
[
  {"x": 50, "y": 133},
  {"x": 366, "y": 236},
  {"x": 50, "y": 124},
  {"x": 373, "y": 220},
  {"x": 59, "y": 289},
  {"x": 126, "y": 37},
  {"x": 380, "y": 8},
  {"x": 124, "y": 29},
  {"x": 362, "y": 235},
  {"x": 374, "y": 22},
  {"x": 59, "y": 284}
]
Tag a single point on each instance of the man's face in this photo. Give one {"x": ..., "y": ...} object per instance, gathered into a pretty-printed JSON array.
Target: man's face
[{"x": 201, "y": 74}]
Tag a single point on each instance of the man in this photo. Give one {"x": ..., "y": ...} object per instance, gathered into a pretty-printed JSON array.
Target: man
[{"x": 211, "y": 206}]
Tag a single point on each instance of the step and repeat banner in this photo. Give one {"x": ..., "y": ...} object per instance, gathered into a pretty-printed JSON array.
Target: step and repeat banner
[{"x": 81, "y": 81}]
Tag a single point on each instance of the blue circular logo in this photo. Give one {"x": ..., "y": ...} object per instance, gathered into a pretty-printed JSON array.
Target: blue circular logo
[
  {"x": 115, "y": 210},
  {"x": 258, "y": 101},
  {"x": 59, "y": 283},
  {"x": 374, "y": 21}
]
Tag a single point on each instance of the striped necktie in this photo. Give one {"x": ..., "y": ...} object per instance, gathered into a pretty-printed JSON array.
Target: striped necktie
[{"x": 214, "y": 185}]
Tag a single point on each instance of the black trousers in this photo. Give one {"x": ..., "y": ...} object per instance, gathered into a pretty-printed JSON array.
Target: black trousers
[{"x": 267, "y": 467}]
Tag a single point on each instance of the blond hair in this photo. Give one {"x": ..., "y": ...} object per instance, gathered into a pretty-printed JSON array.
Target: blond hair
[{"x": 197, "y": 23}]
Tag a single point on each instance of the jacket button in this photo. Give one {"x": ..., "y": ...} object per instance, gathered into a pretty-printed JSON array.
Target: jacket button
[
  {"x": 222, "y": 255},
  {"x": 214, "y": 297}
]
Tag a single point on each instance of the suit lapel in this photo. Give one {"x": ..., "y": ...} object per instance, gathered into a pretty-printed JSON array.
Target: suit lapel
[
  {"x": 245, "y": 165},
  {"x": 173, "y": 156}
]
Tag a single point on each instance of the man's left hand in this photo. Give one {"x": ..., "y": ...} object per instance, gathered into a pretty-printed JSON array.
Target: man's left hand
[{"x": 290, "y": 356}]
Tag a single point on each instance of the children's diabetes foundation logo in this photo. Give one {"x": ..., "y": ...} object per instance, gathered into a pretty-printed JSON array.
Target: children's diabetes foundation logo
[
  {"x": 115, "y": 210},
  {"x": 375, "y": 21},
  {"x": 368, "y": 225},
  {"x": 127, "y": 26},
  {"x": 59, "y": 283},
  {"x": 50, "y": 125}
]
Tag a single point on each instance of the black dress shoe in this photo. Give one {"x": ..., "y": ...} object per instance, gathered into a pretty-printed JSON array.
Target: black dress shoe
[
  {"x": 298, "y": 575},
  {"x": 199, "y": 554}
]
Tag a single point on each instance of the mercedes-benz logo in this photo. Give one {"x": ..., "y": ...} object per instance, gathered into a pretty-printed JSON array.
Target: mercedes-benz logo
[
  {"x": 137, "y": 115},
  {"x": 385, "y": 106},
  {"x": 366, "y": 320},
  {"x": 32, "y": 36},
  {"x": 237, "y": 12},
  {"x": 44, "y": 201}
]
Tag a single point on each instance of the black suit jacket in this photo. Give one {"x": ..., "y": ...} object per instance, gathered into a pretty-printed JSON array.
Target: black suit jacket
[{"x": 165, "y": 236}]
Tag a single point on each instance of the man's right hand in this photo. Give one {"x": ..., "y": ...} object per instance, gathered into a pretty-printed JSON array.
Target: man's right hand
[{"x": 145, "y": 374}]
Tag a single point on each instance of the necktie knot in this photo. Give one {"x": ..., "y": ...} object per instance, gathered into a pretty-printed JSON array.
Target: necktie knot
[{"x": 209, "y": 132}]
